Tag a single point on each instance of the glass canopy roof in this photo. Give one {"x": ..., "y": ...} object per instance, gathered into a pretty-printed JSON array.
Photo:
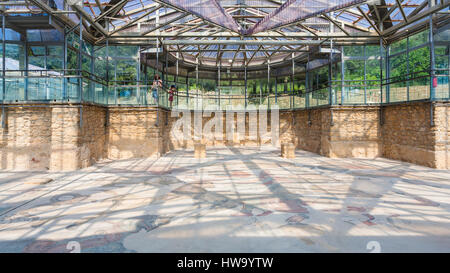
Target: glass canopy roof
[{"x": 237, "y": 32}]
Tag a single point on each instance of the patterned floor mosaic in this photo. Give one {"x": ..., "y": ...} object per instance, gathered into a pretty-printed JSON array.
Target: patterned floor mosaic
[{"x": 235, "y": 200}]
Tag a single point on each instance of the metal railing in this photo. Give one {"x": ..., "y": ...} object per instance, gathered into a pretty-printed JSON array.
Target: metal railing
[{"x": 19, "y": 86}]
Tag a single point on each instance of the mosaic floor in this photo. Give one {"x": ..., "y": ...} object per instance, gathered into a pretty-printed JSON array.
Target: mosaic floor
[{"x": 235, "y": 200}]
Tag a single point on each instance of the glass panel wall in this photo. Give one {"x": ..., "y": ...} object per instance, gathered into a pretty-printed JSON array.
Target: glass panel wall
[
  {"x": 357, "y": 77},
  {"x": 13, "y": 52},
  {"x": 37, "y": 67},
  {"x": 409, "y": 69},
  {"x": 442, "y": 62}
]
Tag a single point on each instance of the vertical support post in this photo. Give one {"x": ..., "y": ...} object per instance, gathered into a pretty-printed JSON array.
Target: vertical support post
[
  {"x": 388, "y": 74},
  {"x": 381, "y": 81},
  {"x": 143, "y": 95},
  {"x": 381, "y": 71},
  {"x": 157, "y": 57},
  {"x": 330, "y": 66},
  {"x": 218, "y": 89},
  {"x": 80, "y": 59},
  {"x": 64, "y": 94},
  {"x": 80, "y": 79},
  {"x": 166, "y": 78},
  {"x": 4, "y": 71},
  {"x": 245, "y": 90},
  {"x": 292, "y": 96},
  {"x": 317, "y": 86},
  {"x": 166, "y": 70},
  {"x": 176, "y": 67},
  {"x": 187, "y": 90},
  {"x": 307, "y": 84},
  {"x": 138, "y": 70},
  {"x": 260, "y": 92},
  {"x": 342, "y": 75},
  {"x": 157, "y": 41},
  {"x": 432, "y": 59},
  {"x": 115, "y": 80},
  {"x": 432, "y": 65},
  {"x": 157, "y": 69},
  {"x": 365, "y": 72},
  {"x": 196, "y": 83},
  {"x": 330, "y": 69},
  {"x": 407, "y": 69},
  {"x": 176, "y": 78},
  {"x": 47, "y": 90},
  {"x": 107, "y": 70},
  {"x": 26, "y": 68},
  {"x": 276, "y": 89},
  {"x": 163, "y": 65},
  {"x": 268, "y": 83},
  {"x": 92, "y": 83}
]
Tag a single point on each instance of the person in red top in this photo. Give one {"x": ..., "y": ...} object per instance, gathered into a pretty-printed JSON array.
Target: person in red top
[{"x": 172, "y": 91}]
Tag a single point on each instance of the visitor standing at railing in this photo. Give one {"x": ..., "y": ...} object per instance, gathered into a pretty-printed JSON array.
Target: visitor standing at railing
[
  {"x": 172, "y": 91},
  {"x": 157, "y": 84}
]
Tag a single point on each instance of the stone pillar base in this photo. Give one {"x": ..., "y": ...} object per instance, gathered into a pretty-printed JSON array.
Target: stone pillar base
[
  {"x": 199, "y": 150},
  {"x": 287, "y": 150}
]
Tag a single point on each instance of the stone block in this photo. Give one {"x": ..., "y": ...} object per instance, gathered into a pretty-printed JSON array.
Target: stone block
[
  {"x": 199, "y": 150},
  {"x": 287, "y": 150}
]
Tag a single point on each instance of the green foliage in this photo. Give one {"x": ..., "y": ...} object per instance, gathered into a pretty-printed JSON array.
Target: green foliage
[
  {"x": 72, "y": 59},
  {"x": 354, "y": 70},
  {"x": 318, "y": 78},
  {"x": 419, "y": 64}
]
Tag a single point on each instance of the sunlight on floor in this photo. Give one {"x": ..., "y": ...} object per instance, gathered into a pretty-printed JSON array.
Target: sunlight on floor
[{"x": 235, "y": 200}]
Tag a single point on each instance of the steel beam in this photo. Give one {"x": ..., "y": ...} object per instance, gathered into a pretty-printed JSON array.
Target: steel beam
[{"x": 86, "y": 16}]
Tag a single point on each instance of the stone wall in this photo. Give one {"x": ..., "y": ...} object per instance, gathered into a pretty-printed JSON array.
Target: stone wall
[
  {"x": 165, "y": 144},
  {"x": 442, "y": 135},
  {"x": 311, "y": 129},
  {"x": 41, "y": 137},
  {"x": 65, "y": 138},
  {"x": 354, "y": 132},
  {"x": 93, "y": 135},
  {"x": 49, "y": 137},
  {"x": 338, "y": 131},
  {"x": 25, "y": 142},
  {"x": 409, "y": 135},
  {"x": 136, "y": 132}
]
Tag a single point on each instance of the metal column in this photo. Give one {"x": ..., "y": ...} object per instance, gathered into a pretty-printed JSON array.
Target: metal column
[
  {"x": 268, "y": 83},
  {"x": 330, "y": 66},
  {"x": 432, "y": 65},
  {"x": 388, "y": 74},
  {"x": 292, "y": 97},
  {"x": 26, "y": 68},
  {"x": 342, "y": 75},
  {"x": 107, "y": 71},
  {"x": 365, "y": 77},
  {"x": 245, "y": 88},
  {"x": 276, "y": 89},
  {"x": 196, "y": 83},
  {"x": 64, "y": 94},
  {"x": 330, "y": 70},
  {"x": 176, "y": 78},
  {"x": 218, "y": 77},
  {"x": 307, "y": 84},
  {"x": 381, "y": 81},
  {"x": 80, "y": 79},
  {"x": 4, "y": 72}
]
